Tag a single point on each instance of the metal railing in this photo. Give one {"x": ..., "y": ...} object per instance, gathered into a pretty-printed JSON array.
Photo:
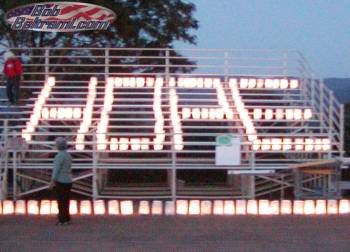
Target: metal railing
[{"x": 73, "y": 67}]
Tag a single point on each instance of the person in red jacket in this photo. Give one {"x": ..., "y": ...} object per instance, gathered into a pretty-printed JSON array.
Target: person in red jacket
[{"x": 13, "y": 71}]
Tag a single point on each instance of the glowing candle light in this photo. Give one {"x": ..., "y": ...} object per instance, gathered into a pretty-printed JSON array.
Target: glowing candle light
[
  {"x": 132, "y": 82},
  {"x": 260, "y": 83},
  {"x": 45, "y": 207},
  {"x": 73, "y": 207},
  {"x": 299, "y": 144},
  {"x": 309, "y": 207},
  {"x": 344, "y": 206},
  {"x": 243, "y": 83},
  {"x": 51, "y": 81},
  {"x": 212, "y": 114},
  {"x": 287, "y": 144},
  {"x": 252, "y": 83},
  {"x": 252, "y": 207},
  {"x": 186, "y": 113},
  {"x": 196, "y": 113},
  {"x": 284, "y": 84},
  {"x": 307, "y": 114},
  {"x": 45, "y": 113},
  {"x": 144, "y": 207},
  {"x": 135, "y": 144},
  {"x": 34, "y": 119},
  {"x": 268, "y": 114},
  {"x": 169, "y": 208},
  {"x": 26, "y": 135},
  {"x": 194, "y": 208},
  {"x": 289, "y": 114},
  {"x": 219, "y": 114},
  {"x": 20, "y": 207},
  {"x": 206, "y": 207},
  {"x": 140, "y": 82},
  {"x": 145, "y": 143},
  {"x": 265, "y": 144},
  {"x": 113, "y": 207},
  {"x": 279, "y": 114},
  {"x": 157, "y": 207},
  {"x": 93, "y": 81},
  {"x": 294, "y": 84},
  {"x": 274, "y": 207},
  {"x": 123, "y": 144},
  {"x": 332, "y": 206},
  {"x": 54, "y": 207},
  {"x": 182, "y": 207},
  {"x": 205, "y": 113},
  {"x": 233, "y": 83},
  {"x": 276, "y": 84},
  {"x": 60, "y": 113},
  {"x": 200, "y": 82},
  {"x": 218, "y": 207},
  {"x": 240, "y": 207},
  {"x": 297, "y": 114},
  {"x": 150, "y": 81},
  {"x": 326, "y": 144},
  {"x": 229, "y": 207},
  {"x": 76, "y": 113},
  {"x": 276, "y": 144},
  {"x": 114, "y": 144},
  {"x": 321, "y": 207},
  {"x": 85, "y": 207},
  {"x": 208, "y": 83},
  {"x": 257, "y": 113},
  {"x": 298, "y": 207},
  {"x": 309, "y": 144},
  {"x": 99, "y": 207},
  {"x": 32, "y": 207},
  {"x": 126, "y": 207},
  {"x": 286, "y": 207},
  {"x": 268, "y": 83},
  {"x": 264, "y": 207},
  {"x": 256, "y": 144},
  {"x": 8, "y": 207},
  {"x": 69, "y": 113}
]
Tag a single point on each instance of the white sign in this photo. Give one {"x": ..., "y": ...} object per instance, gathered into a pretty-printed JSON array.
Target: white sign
[{"x": 228, "y": 150}]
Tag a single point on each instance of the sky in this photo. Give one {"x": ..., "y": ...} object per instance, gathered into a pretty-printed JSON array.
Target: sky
[{"x": 319, "y": 29}]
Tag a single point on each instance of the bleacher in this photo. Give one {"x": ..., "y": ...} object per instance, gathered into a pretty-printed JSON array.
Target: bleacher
[{"x": 159, "y": 125}]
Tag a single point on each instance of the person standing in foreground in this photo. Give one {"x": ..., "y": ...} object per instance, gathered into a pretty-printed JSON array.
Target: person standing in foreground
[
  {"x": 61, "y": 180},
  {"x": 13, "y": 72}
]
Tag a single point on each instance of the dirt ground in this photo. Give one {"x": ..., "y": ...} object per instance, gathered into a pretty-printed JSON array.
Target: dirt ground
[{"x": 147, "y": 233}]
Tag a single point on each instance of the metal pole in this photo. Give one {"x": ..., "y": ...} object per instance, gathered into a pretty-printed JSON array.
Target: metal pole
[
  {"x": 341, "y": 140},
  {"x": 14, "y": 181},
  {"x": 173, "y": 151},
  {"x": 321, "y": 105},
  {"x": 94, "y": 168},
  {"x": 47, "y": 62},
  {"x": 106, "y": 63},
  {"x": 226, "y": 69},
  {"x": 6, "y": 156},
  {"x": 330, "y": 122}
]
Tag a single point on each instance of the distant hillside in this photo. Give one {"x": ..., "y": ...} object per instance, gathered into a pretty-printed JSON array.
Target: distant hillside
[{"x": 340, "y": 87}]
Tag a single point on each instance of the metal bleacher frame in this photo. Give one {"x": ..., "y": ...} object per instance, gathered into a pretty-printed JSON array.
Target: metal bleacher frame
[{"x": 261, "y": 173}]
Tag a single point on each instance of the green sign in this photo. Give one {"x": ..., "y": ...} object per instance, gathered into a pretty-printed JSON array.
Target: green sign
[{"x": 224, "y": 140}]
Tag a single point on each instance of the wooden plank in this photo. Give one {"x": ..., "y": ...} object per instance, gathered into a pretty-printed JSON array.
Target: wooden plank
[
  {"x": 316, "y": 164},
  {"x": 318, "y": 171}
]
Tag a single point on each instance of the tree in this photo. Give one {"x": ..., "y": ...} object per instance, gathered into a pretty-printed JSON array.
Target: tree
[{"x": 139, "y": 23}]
